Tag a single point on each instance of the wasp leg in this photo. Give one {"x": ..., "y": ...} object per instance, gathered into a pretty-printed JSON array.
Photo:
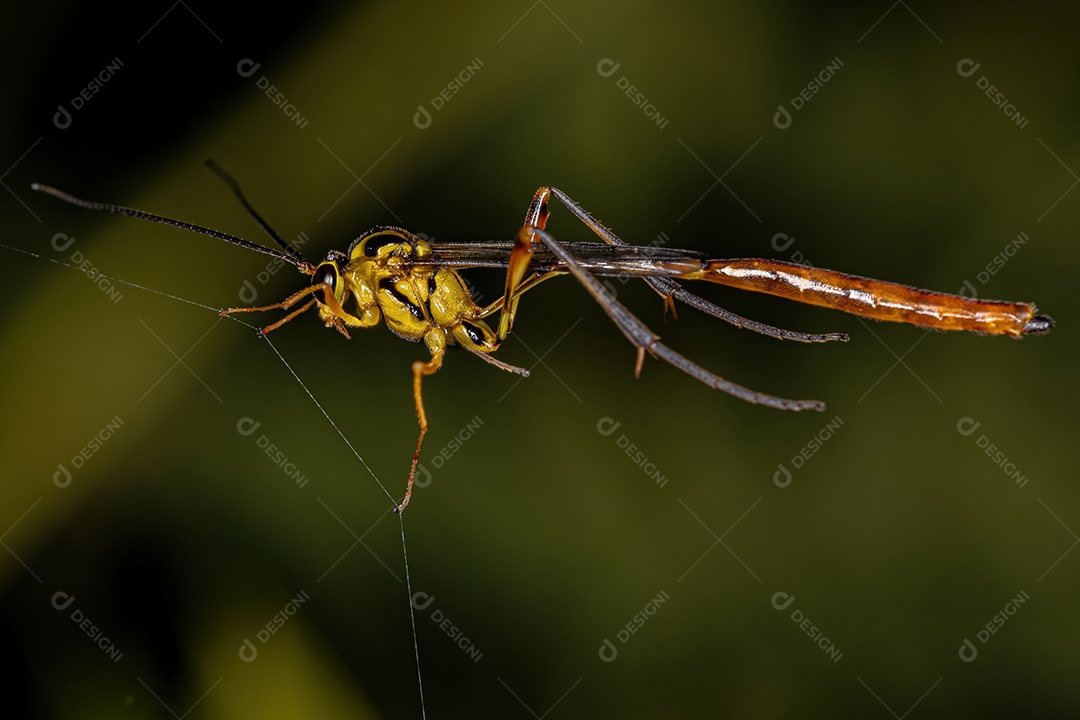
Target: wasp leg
[
  {"x": 499, "y": 363},
  {"x": 536, "y": 217},
  {"x": 668, "y": 289},
  {"x": 283, "y": 305},
  {"x": 436, "y": 342},
  {"x": 664, "y": 287},
  {"x": 339, "y": 318},
  {"x": 302, "y": 309},
  {"x": 519, "y": 290},
  {"x": 515, "y": 271},
  {"x": 644, "y": 339}
]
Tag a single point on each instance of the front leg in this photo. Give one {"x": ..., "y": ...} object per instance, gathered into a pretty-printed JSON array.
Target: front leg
[{"x": 285, "y": 304}]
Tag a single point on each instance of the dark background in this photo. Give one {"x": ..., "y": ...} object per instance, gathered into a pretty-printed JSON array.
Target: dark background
[{"x": 538, "y": 537}]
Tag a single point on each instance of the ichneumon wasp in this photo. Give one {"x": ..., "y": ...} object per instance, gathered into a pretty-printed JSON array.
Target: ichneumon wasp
[{"x": 413, "y": 286}]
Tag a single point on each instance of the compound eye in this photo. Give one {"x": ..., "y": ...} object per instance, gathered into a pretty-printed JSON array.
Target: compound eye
[{"x": 325, "y": 273}]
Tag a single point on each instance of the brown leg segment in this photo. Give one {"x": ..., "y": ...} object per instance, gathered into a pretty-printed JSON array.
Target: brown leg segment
[
  {"x": 520, "y": 290},
  {"x": 666, "y": 288},
  {"x": 283, "y": 305},
  {"x": 340, "y": 317},
  {"x": 436, "y": 342},
  {"x": 536, "y": 217},
  {"x": 645, "y": 341}
]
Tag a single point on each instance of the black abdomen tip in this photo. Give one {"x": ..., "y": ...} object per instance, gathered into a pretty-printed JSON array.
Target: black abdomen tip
[{"x": 1039, "y": 325}]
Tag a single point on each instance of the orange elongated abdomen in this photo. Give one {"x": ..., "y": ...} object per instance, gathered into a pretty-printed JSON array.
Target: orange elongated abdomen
[{"x": 875, "y": 299}]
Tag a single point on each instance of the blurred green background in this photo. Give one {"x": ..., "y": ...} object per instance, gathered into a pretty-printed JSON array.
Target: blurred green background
[{"x": 553, "y": 574}]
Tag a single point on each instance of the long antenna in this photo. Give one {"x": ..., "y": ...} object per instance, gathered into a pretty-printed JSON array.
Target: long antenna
[
  {"x": 235, "y": 187},
  {"x": 293, "y": 257}
]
